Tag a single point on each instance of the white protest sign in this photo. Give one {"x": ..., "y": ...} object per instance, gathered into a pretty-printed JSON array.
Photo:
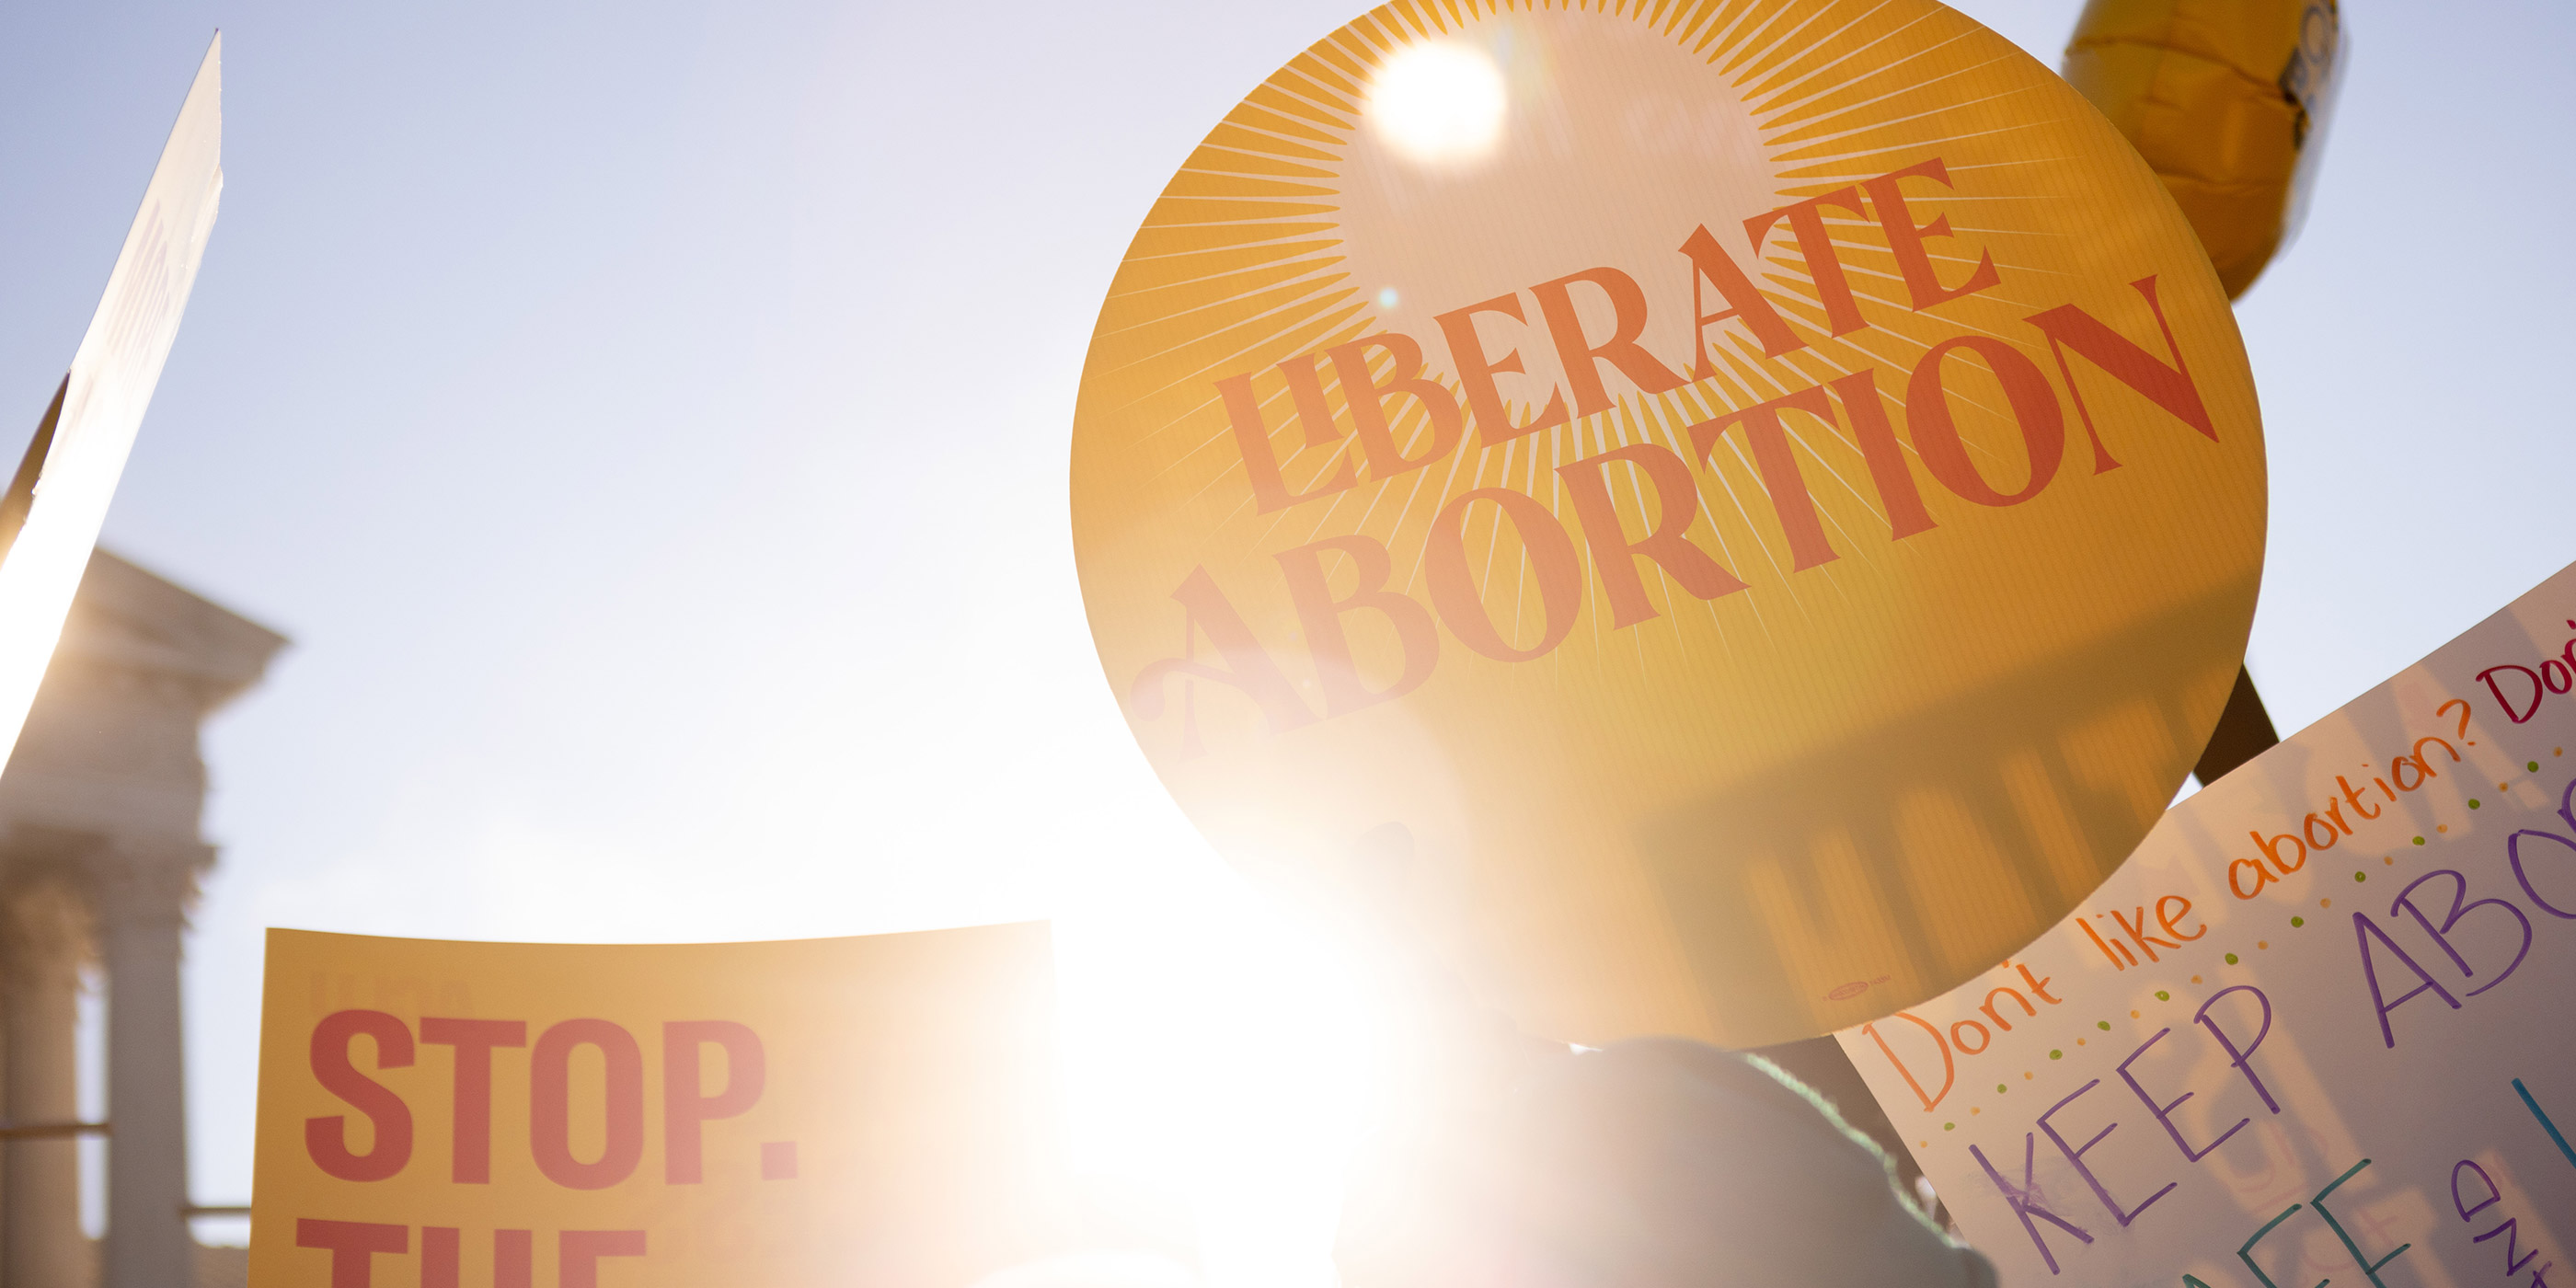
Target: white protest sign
[
  {"x": 50, "y": 518},
  {"x": 2316, "y": 1030}
]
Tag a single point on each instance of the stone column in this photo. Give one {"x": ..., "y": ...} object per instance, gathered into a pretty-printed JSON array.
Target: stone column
[
  {"x": 142, "y": 909},
  {"x": 43, "y": 940}
]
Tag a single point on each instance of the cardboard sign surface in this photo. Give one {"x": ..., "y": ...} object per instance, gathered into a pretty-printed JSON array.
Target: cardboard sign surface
[
  {"x": 2314, "y": 1029},
  {"x": 869, "y": 1110},
  {"x": 1716, "y": 518},
  {"x": 50, "y": 518}
]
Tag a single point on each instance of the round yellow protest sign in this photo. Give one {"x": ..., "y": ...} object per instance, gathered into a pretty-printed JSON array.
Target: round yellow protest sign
[{"x": 1723, "y": 519}]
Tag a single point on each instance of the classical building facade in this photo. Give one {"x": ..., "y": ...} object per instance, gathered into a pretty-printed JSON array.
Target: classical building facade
[{"x": 99, "y": 863}]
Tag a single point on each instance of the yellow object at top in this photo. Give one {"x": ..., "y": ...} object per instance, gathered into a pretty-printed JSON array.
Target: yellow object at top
[{"x": 2226, "y": 99}]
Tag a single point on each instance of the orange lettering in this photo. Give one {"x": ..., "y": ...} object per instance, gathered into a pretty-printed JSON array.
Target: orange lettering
[
  {"x": 1949, "y": 1067},
  {"x": 1551, "y": 559},
  {"x": 1906, "y": 240},
  {"x": 1476, "y": 371},
  {"x": 1816, "y": 246},
  {"x": 1710, "y": 262},
  {"x": 1321, "y": 615},
  {"x": 2167, "y": 385},
  {"x": 1936, "y": 434},
  {"x": 1778, "y": 467},
  {"x": 1251, "y": 437},
  {"x": 1677, "y": 504},
  {"x": 1621, "y": 350},
  {"x": 1248, "y": 668},
  {"x": 1367, "y": 401}
]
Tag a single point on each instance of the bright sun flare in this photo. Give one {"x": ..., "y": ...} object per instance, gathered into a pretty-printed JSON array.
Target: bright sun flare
[
  {"x": 1439, "y": 104},
  {"x": 1233, "y": 1088}
]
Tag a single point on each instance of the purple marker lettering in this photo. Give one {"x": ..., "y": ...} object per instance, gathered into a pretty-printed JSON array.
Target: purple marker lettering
[
  {"x": 2075, "y": 1155},
  {"x": 2512, "y": 1239},
  {"x": 2025, "y": 1200},
  {"x": 2459, "y": 909},
  {"x": 2164, "y": 1113},
  {"x": 2513, "y": 853},
  {"x": 2365, "y": 930},
  {"x": 2495, "y": 1193},
  {"x": 2241, "y": 1058}
]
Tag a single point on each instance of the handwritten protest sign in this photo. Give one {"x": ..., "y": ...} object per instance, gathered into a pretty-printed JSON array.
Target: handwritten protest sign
[
  {"x": 870, "y": 1110},
  {"x": 51, "y": 514},
  {"x": 2315, "y": 1029},
  {"x": 1714, "y": 518}
]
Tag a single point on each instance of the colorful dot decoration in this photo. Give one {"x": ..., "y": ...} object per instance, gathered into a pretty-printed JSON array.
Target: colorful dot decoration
[
  {"x": 2056, "y": 1055},
  {"x": 2163, "y": 996},
  {"x": 2296, "y": 922},
  {"x": 2104, "y": 1025},
  {"x": 2419, "y": 840},
  {"x": 2534, "y": 766},
  {"x": 2231, "y": 959},
  {"x": 2473, "y": 802},
  {"x": 2001, "y": 1087}
]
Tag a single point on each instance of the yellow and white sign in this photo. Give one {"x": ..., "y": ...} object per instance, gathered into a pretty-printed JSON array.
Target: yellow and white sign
[
  {"x": 828, "y": 1111},
  {"x": 2313, "y": 1031},
  {"x": 1717, "y": 518}
]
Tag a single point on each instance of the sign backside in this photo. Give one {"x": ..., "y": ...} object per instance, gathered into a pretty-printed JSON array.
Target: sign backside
[{"x": 50, "y": 516}]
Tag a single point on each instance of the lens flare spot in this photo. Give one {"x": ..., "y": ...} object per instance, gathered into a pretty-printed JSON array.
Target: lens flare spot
[{"x": 1439, "y": 104}]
